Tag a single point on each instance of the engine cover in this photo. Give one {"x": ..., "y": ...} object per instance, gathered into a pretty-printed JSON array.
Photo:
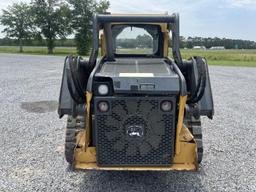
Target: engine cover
[
  {"x": 140, "y": 76},
  {"x": 135, "y": 131}
]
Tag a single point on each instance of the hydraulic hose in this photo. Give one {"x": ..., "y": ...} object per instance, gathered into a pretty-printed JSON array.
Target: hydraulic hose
[
  {"x": 200, "y": 88},
  {"x": 73, "y": 81}
]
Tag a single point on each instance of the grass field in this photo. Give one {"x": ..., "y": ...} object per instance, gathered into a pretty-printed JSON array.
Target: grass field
[
  {"x": 39, "y": 50},
  {"x": 214, "y": 57},
  {"x": 224, "y": 57}
]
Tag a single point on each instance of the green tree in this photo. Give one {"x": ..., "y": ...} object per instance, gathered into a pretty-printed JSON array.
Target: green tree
[
  {"x": 82, "y": 17},
  {"x": 52, "y": 17},
  {"x": 17, "y": 21},
  {"x": 144, "y": 41}
]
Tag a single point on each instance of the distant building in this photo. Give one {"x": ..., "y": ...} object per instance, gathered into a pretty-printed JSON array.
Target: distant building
[
  {"x": 199, "y": 47},
  {"x": 218, "y": 48}
]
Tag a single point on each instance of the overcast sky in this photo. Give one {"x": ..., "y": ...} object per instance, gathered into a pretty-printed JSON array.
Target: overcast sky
[{"x": 206, "y": 18}]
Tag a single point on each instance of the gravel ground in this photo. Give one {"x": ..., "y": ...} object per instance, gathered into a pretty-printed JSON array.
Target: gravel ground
[{"x": 32, "y": 136}]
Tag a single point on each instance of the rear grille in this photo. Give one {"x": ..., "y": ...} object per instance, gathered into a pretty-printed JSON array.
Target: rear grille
[{"x": 134, "y": 132}]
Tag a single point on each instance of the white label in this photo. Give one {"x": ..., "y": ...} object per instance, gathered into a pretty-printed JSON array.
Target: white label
[{"x": 136, "y": 75}]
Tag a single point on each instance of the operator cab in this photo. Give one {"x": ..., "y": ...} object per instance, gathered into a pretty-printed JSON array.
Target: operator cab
[{"x": 135, "y": 59}]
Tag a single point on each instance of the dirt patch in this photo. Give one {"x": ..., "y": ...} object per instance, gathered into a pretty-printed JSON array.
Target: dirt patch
[
  {"x": 40, "y": 106},
  {"x": 24, "y": 174}
]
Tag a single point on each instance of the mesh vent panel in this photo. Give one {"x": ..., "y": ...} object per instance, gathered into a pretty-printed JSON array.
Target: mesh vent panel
[{"x": 134, "y": 132}]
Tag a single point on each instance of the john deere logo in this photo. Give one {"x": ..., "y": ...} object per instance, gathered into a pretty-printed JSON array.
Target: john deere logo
[{"x": 135, "y": 131}]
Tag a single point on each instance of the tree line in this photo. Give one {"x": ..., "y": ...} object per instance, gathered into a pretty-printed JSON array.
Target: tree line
[
  {"x": 190, "y": 42},
  {"x": 145, "y": 41},
  {"x": 50, "y": 20},
  {"x": 141, "y": 42}
]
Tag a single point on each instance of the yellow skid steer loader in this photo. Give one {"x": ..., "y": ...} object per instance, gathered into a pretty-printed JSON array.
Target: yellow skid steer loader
[{"x": 135, "y": 108}]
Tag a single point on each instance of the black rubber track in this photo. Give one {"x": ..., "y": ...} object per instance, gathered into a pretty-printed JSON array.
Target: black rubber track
[
  {"x": 74, "y": 125},
  {"x": 194, "y": 125}
]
